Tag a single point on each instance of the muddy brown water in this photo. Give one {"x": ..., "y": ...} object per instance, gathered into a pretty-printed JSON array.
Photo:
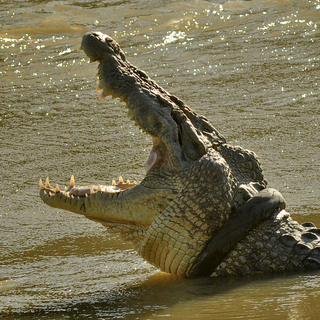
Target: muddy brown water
[{"x": 252, "y": 67}]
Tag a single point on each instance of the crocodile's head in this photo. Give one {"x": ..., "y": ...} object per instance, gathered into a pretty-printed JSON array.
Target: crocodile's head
[{"x": 188, "y": 189}]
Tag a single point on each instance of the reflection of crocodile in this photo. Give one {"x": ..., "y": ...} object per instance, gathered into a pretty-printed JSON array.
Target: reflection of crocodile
[{"x": 202, "y": 206}]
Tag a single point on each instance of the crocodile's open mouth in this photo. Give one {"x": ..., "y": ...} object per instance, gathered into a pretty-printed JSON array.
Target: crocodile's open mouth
[
  {"x": 85, "y": 191},
  {"x": 179, "y": 137},
  {"x": 157, "y": 153}
]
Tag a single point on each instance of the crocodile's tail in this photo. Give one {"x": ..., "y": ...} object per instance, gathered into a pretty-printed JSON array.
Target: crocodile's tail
[{"x": 306, "y": 244}]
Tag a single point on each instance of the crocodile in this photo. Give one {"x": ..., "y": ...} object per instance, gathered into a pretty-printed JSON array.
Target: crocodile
[{"x": 204, "y": 207}]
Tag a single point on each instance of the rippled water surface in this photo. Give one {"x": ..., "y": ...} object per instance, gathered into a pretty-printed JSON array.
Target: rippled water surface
[{"x": 252, "y": 67}]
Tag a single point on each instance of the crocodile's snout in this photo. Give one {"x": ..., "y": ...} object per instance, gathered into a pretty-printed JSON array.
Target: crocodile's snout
[{"x": 97, "y": 45}]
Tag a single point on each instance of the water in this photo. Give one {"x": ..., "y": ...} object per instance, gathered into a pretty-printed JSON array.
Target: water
[{"x": 252, "y": 67}]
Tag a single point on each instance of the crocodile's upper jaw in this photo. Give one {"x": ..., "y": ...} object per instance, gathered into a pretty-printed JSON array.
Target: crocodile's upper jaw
[
  {"x": 175, "y": 128},
  {"x": 120, "y": 79}
]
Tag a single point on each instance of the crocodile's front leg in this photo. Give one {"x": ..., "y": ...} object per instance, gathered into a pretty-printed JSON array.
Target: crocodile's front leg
[{"x": 260, "y": 207}]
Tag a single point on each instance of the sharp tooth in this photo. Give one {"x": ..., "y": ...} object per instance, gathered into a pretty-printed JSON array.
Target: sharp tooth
[
  {"x": 47, "y": 183},
  {"x": 98, "y": 89},
  {"x": 91, "y": 191},
  {"x": 135, "y": 182},
  {"x": 57, "y": 188},
  {"x": 71, "y": 196},
  {"x": 72, "y": 181},
  {"x": 102, "y": 96},
  {"x": 99, "y": 188},
  {"x": 65, "y": 188},
  {"x": 114, "y": 182},
  {"x": 128, "y": 181},
  {"x": 86, "y": 195},
  {"x": 120, "y": 179},
  {"x": 41, "y": 185}
]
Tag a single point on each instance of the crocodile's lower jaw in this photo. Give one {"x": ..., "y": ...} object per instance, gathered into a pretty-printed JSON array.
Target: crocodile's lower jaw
[{"x": 85, "y": 191}]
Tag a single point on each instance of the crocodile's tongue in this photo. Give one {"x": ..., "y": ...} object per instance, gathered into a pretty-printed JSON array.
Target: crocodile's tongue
[
  {"x": 114, "y": 188},
  {"x": 84, "y": 190}
]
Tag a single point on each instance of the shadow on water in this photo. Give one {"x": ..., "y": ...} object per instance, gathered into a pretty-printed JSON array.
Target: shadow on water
[
  {"x": 163, "y": 295},
  {"x": 154, "y": 294}
]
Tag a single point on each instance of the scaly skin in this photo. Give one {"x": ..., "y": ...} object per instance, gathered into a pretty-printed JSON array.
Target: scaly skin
[{"x": 200, "y": 208}]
